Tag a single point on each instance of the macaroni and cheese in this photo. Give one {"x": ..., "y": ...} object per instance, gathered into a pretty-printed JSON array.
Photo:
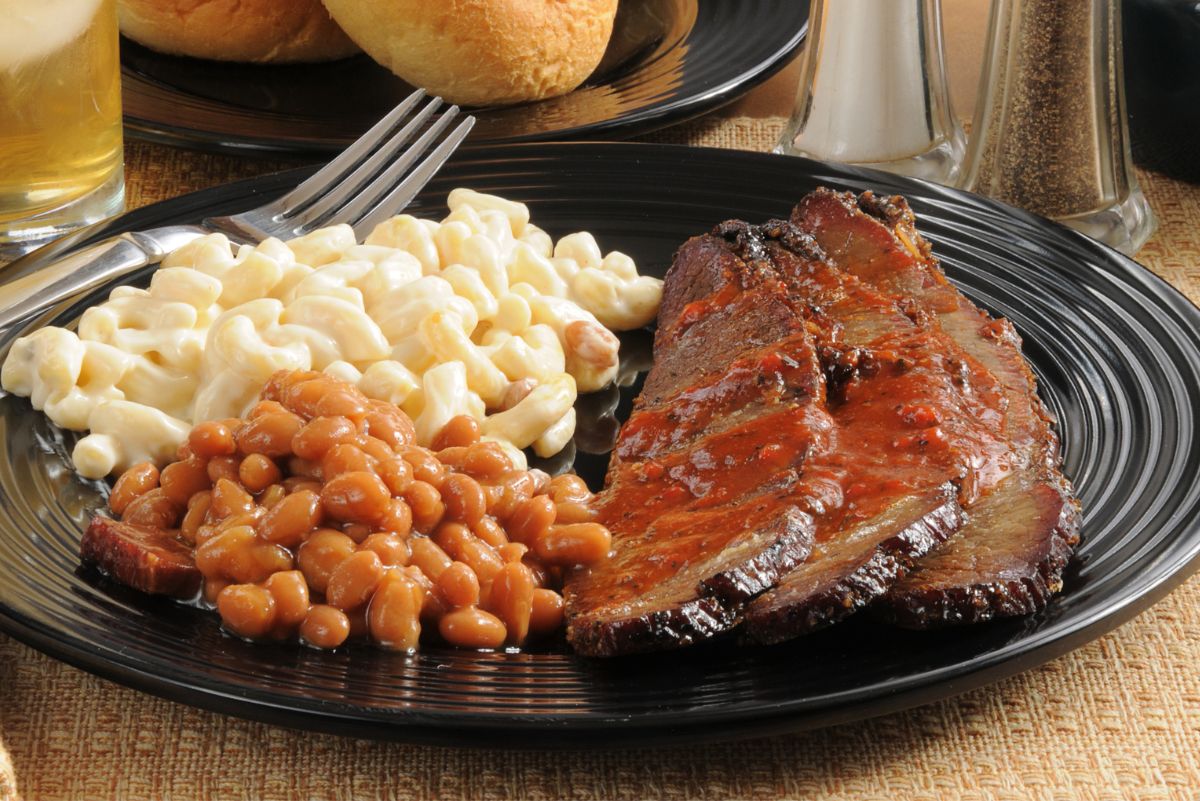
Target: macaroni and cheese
[{"x": 481, "y": 314}]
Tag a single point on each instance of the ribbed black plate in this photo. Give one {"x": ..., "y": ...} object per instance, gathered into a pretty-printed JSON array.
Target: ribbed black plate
[
  {"x": 1116, "y": 349},
  {"x": 667, "y": 60}
]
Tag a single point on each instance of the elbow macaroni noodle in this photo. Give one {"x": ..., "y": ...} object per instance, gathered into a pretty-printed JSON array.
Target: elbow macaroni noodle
[{"x": 480, "y": 314}]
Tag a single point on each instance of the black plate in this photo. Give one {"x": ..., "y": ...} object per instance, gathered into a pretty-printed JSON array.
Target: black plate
[
  {"x": 1116, "y": 350},
  {"x": 667, "y": 60}
]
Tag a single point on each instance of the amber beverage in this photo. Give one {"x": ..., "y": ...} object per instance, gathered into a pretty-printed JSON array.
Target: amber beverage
[{"x": 60, "y": 119}]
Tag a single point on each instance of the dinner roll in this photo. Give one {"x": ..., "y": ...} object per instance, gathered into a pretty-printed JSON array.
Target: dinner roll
[
  {"x": 482, "y": 52},
  {"x": 264, "y": 31}
]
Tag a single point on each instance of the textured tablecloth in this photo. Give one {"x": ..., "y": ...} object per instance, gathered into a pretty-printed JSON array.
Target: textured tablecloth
[{"x": 1117, "y": 719}]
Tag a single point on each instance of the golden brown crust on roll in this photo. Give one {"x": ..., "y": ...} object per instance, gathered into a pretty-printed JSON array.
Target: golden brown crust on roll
[
  {"x": 263, "y": 31},
  {"x": 482, "y": 52}
]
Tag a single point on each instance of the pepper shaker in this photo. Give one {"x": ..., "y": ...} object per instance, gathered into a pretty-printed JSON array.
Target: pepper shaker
[
  {"x": 1050, "y": 133},
  {"x": 873, "y": 90}
]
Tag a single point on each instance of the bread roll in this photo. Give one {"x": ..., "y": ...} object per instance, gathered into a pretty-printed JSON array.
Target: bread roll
[
  {"x": 263, "y": 31},
  {"x": 482, "y": 52}
]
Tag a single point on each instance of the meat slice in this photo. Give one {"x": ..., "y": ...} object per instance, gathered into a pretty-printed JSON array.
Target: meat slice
[
  {"x": 698, "y": 494},
  {"x": 1008, "y": 559},
  {"x": 147, "y": 559},
  {"x": 918, "y": 432},
  {"x": 856, "y": 567}
]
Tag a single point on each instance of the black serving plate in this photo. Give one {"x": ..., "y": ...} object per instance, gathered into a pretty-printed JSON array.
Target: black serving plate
[
  {"x": 1117, "y": 352},
  {"x": 667, "y": 60}
]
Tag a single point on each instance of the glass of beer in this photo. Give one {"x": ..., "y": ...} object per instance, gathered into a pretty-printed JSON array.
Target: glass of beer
[{"x": 61, "y": 157}]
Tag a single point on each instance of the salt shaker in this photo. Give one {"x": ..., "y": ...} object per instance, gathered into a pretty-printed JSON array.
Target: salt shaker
[
  {"x": 873, "y": 90},
  {"x": 1050, "y": 133}
]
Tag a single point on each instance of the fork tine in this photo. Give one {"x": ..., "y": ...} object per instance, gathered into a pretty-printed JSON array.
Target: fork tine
[
  {"x": 313, "y": 188},
  {"x": 403, "y": 193},
  {"x": 338, "y": 195},
  {"x": 356, "y": 206}
]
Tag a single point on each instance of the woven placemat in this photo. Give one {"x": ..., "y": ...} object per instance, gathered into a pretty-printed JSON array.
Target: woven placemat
[{"x": 1117, "y": 719}]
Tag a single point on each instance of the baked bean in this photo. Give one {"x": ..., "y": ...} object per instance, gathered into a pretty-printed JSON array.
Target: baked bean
[
  {"x": 153, "y": 510},
  {"x": 352, "y": 583},
  {"x": 213, "y": 555},
  {"x": 573, "y": 544},
  {"x": 394, "y": 616},
  {"x": 247, "y": 610},
  {"x": 323, "y": 551},
  {"x": 385, "y": 422},
  {"x": 574, "y": 512},
  {"x": 491, "y": 532},
  {"x": 290, "y": 591},
  {"x": 346, "y": 400},
  {"x": 472, "y": 627},
  {"x": 453, "y": 458},
  {"x": 486, "y": 460},
  {"x": 546, "y": 612},
  {"x": 459, "y": 432},
  {"x": 288, "y": 521},
  {"x": 512, "y": 552},
  {"x": 212, "y": 590},
  {"x": 425, "y": 466},
  {"x": 458, "y": 585},
  {"x": 541, "y": 480},
  {"x": 301, "y": 484},
  {"x": 183, "y": 451},
  {"x": 460, "y": 544},
  {"x": 398, "y": 518},
  {"x": 193, "y": 518},
  {"x": 494, "y": 496},
  {"x": 515, "y": 486},
  {"x": 320, "y": 434},
  {"x": 516, "y": 392},
  {"x": 279, "y": 382},
  {"x": 250, "y": 519},
  {"x": 511, "y": 600},
  {"x": 271, "y": 434},
  {"x": 203, "y": 534},
  {"x": 569, "y": 488},
  {"x": 228, "y": 498},
  {"x": 426, "y": 504},
  {"x": 358, "y": 497},
  {"x": 210, "y": 439},
  {"x": 272, "y": 495},
  {"x": 429, "y": 557},
  {"x": 257, "y": 472},
  {"x": 357, "y": 531},
  {"x": 266, "y": 407},
  {"x": 325, "y": 627},
  {"x": 463, "y": 498},
  {"x": 133, "y": 483},
  {"x": 305, "y": 468},
  {"x": 223, "y": 467},
  {"x": 346, "y": 458},
  {"x": 376, "y": 448},
  {"x": 396, "y": 473},
  {"x": 392, "y": 549},
  {"x": 303, "y": 397},
  {"x": 531, "y": 519},
  {"x": 256, "y": 562},
  {"x": 432, "y": 605}
]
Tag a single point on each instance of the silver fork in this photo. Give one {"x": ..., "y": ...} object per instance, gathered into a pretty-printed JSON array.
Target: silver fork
[{"x": 370, "y": 181}]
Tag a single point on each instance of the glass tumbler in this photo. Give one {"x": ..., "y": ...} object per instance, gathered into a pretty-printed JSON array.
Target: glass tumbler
[
  {"x": 1050, "y": 133},
  {"x": 61, "y": 157},
  {"x": 873, "y": 90}
]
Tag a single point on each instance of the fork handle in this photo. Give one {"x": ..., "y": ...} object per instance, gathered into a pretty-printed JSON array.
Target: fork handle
[{"x": 81, "y": 271}]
